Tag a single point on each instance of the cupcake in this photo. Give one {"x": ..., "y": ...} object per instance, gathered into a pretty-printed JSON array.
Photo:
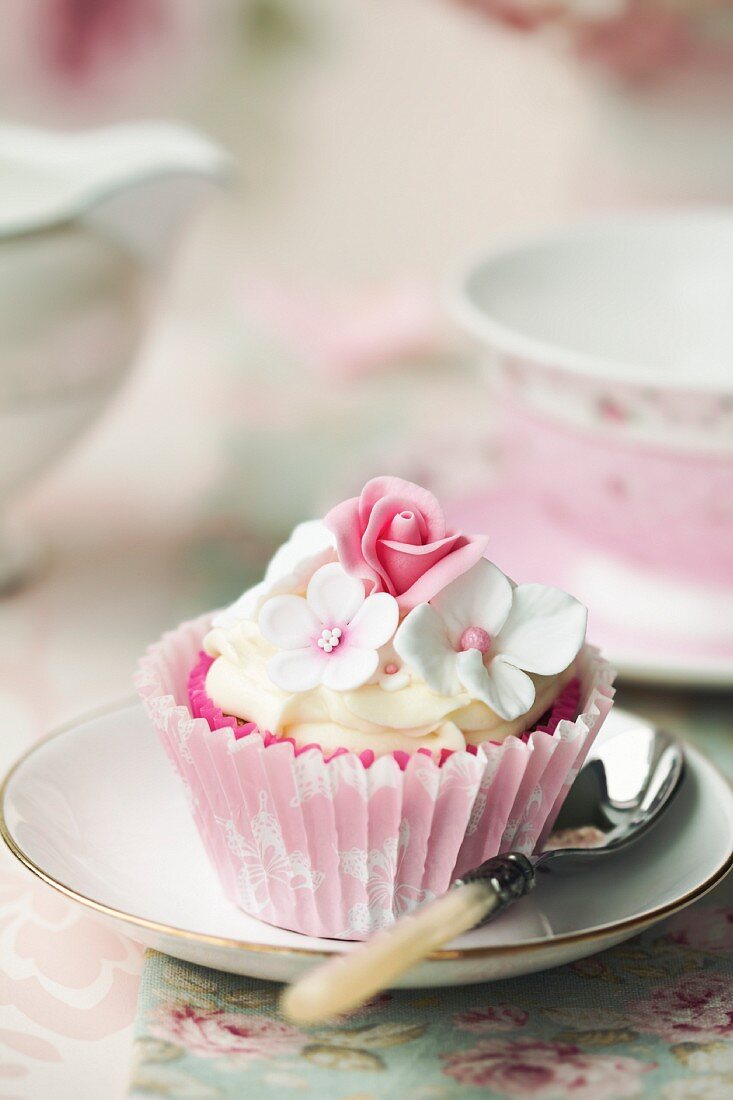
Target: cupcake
[{"x": 383, "y": 712}]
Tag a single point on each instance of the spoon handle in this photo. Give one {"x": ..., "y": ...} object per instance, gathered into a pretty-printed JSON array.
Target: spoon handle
[{"x": 349, "y": 980}]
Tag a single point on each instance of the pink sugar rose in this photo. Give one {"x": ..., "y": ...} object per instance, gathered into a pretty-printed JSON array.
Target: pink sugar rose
[{"x": 394, "y": 538}]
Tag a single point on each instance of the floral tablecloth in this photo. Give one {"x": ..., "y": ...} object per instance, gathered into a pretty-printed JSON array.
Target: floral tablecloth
[{"x": 653, "y": 1017}]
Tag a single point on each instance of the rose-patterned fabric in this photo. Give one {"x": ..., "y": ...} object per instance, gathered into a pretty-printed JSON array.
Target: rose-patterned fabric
[{"x": 650, "y": 1018}]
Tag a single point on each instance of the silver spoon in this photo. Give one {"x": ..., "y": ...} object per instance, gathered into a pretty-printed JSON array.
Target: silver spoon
[{"x": 623, "y": 787}]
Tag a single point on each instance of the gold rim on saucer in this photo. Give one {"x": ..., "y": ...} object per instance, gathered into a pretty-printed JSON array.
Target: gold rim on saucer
[{"x": 638, "y": 922}]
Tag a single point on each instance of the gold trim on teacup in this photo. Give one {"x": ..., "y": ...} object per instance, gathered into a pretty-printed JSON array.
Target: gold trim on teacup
[{"x": 603, "y": 932}]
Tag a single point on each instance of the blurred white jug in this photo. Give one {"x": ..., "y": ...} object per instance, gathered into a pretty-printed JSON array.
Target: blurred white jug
[{"x": 85, "y": 218}]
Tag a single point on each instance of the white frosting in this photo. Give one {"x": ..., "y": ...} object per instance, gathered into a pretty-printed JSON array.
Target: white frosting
[{"x": 372, "y": 716}]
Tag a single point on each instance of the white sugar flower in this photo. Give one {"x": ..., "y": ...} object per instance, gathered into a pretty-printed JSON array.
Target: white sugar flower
[
  {"x": 309, "y": 547},
  {"x": 484, "y": 635},
  {"x": 331, "y": 636}
]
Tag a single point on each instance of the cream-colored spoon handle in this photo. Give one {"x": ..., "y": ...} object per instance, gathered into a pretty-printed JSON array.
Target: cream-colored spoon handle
[{"x": 349, "y": 980}]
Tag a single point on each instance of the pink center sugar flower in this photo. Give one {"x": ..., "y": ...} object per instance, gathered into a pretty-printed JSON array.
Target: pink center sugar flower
[
  {"x": 481, "y": 634},
  {"x": 331, "y": 636},
  {"x": 394, "y": 537}
]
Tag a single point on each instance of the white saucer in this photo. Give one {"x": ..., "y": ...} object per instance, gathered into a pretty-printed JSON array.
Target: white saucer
[
  {"x": 651, "y": 628},
  {"x": 96, "y": 812}
]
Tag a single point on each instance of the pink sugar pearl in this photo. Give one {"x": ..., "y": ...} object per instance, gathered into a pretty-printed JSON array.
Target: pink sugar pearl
[{"x": 475, "y": 637}]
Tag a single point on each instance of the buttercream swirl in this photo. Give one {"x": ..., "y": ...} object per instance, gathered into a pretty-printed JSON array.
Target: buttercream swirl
[{"x": 373, "y": 716}]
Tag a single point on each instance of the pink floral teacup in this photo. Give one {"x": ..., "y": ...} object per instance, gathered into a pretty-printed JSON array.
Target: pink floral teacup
[{"x": 610, "y": 350}]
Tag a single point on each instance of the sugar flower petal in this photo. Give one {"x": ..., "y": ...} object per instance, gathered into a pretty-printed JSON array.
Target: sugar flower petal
[
  {"x": 422, "y": 643},
  {"x": 310, "y": 546},
  {"x": 402, "y": 564},
  {"x": 404, "y": 492},
  {"x": 296, "y": 669},
  {"x": 331, "y": 636},
  {"x": 544, "y": 631},
  {"x": 508, "y": 691},
  {"x": 333, "y": 595},
  {"x": 348, "y": 668},
  {"x": 343, "y": 521},
  {"x": 515, "y": 689},
  {"x": 461, "y": 554},
  {"x": 481, "y": 597},
  {"x": 288, "y": 622},
  {"x": 375, "y": 622}
]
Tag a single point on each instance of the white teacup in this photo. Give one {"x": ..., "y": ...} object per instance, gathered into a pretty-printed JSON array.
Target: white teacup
[{"x": 86, "y": 221}]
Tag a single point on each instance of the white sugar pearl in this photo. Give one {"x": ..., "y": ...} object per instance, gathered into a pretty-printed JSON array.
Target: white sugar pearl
[{"x": 329, "y": 639}]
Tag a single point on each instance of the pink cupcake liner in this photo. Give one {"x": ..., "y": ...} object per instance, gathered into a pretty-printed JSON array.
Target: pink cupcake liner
[{"x": 340, "y": 846}]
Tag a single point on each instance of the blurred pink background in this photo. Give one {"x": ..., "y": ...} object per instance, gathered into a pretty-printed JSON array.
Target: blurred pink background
[{"x": 299, "y": 343}]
